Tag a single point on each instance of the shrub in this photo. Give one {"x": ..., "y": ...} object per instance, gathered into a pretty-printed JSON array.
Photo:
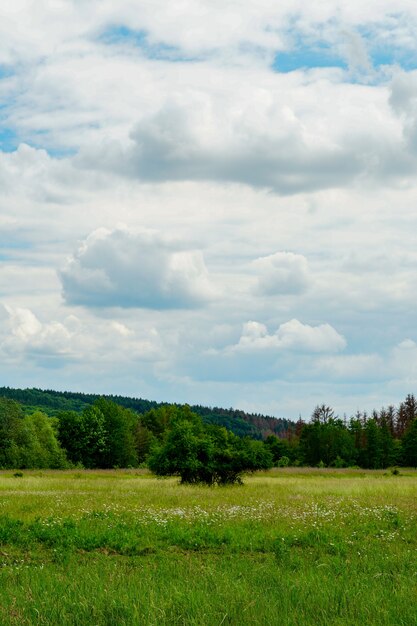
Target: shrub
[
  {"x": 199, "y": 453},
  {"x": 283, "y": 462}
]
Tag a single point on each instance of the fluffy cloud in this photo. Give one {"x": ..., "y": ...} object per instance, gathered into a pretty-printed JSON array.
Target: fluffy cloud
[
  {"x": 24, "y": 334},
  {"x": 292, "y": 335},
  {"x": 24, "y": 337},
  {"x": 282, "y": 273},
  {"x": 125, "y": 269},
  {"x": 288, "y": 354},
  {"x": 302, "y": 131},
  {"x": 194, "y": 25},
  {"x": 163, "y": 117},
  {"x": 272, "y": 140}
]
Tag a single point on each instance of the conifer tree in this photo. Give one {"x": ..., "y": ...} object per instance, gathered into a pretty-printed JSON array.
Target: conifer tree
[{"x": 409, "y": 445}]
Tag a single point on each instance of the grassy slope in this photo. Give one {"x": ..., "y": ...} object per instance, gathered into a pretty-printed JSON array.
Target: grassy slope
[{"x": 291, "y": 547}]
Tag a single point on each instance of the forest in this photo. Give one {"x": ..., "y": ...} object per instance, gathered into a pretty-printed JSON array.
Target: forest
[{"x": 105, "y": 433}]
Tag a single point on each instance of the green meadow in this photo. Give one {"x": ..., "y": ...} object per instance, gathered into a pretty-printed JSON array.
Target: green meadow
[{"x": 291, "y": 547}]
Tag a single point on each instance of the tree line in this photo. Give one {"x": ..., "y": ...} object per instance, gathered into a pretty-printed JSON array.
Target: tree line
[
  {"x": 240, "y": 422},
  {"x": 378, "y": 440},
  {"x": 173, "y": 439}
]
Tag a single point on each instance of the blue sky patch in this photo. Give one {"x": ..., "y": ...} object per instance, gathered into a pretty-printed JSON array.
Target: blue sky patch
[
  {"x": 117, "y": 35},
  {"x": 307, "y": 58},
  {"x": 8, "y": 139},
  {"x": 304, "y": 56},
  {"x": 6, "y": 71}
]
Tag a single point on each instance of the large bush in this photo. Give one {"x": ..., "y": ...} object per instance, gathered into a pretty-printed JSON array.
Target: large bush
[{"x": 199, "y": 453}]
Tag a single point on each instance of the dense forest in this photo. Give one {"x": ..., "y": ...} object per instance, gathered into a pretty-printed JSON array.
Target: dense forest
[
  {"x": 46, "y": 429},
  {"x": 241, "y": 423}
]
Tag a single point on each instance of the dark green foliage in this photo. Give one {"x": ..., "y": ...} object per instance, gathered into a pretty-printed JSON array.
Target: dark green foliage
[
  {"x": 241, "y": 423},
  {"x": 245, "y": 424},
  {"x": 103, "y": 435},
  {"x": 70, "y": 435},
  {"x": 278, "y": 448},
  {"x": 326, "y": 440},
  {"x": 157, "y": 421},
  {"x": 144, "y": 440},
  {"x": 112, "y": 431},
  {"x": 389, "y": 455},
  {"x": 119, "y": 427},
  {"x": 206, "y": 454},
  {"x": 409, "y": 444},
  {"x": 11, "y": 421},
  {"x": 371, "y": 456}
]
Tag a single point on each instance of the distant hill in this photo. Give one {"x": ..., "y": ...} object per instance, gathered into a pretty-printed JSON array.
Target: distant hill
[{"x": 241, "y": 423}]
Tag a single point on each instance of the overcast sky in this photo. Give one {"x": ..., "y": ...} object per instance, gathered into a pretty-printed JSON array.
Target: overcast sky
[{"x": 210, "y": 201}]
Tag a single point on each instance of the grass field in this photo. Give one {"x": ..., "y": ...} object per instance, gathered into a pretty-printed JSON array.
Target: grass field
[{"x": 290, "y": 547}]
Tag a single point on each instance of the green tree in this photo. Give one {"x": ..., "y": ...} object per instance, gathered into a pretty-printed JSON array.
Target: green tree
[
  {"x": 409, "y": 445},
  {"x": 38, "y": 444},
  {"x": 93, "y": 437},
  {"x": 407, "y": 412},
  {"x": 388, "y": 448},
  {"x": 83, "y": 436},
  {"x": 278, "y": 448},
  {"x": 371, "y": 456},
  {"x": 119, "y": 427},
  {"x": 199, "y": 453},
  {"x": 11, "y": 422},
  {"x": 326, "y": 439},
  {"x": 144, "y": 440},
  {"x": 71, "y": 435},
  {"x": 103, "y": 435}
]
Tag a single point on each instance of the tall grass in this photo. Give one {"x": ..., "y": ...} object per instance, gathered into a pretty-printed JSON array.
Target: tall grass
[{"x": 289, "y": 547}]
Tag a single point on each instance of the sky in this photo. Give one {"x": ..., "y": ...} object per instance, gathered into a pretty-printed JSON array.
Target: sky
[{"x": 210, "y": 201}]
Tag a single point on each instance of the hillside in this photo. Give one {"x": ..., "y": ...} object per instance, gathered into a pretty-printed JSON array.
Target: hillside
[{"x": 241, "y": 423}]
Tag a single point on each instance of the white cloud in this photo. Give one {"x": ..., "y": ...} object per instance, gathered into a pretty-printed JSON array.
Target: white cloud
[
  {"x": 191, "y": 150},
  {"x": 24, "y": 337},
  {"x": 361, "y": 368},
  {"x": 292, "y": 335},
  {"x": 403, "y": 99},
  {"x": 282, "y": 273},
  {"x": 194, "y": 25},
  {"x": 274, "y": 139},
  {"x": 126, "y": 269},
  {"x": 24, "y": 334}
]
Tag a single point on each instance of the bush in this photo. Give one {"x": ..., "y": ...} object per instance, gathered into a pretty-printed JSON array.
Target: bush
[
  {"x": 283, "y": 462},
  {"x": 199, "y": 453}
]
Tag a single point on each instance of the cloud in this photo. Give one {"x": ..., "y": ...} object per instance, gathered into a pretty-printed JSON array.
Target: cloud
[
  {"x": 24, "y": 337},
  {"x": 121, "y": 268},
  {"x": 292, "y": 336},
  {"x": 399, "y": 362},
  {"x": 207, "y": 140},
  {"x": 163, "y": 117},
  {"x": 355, "y": 50},
  {"x": 289, "y": 135},
  {"x": 282, "y": 273},
  {"x": 288, "y": 354},
  {"x": 403, "y": 99},
  {"x": 347, "y": 368},
  {"x": 292, "y": 133},
  {"x": 194, "y": 26}
]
